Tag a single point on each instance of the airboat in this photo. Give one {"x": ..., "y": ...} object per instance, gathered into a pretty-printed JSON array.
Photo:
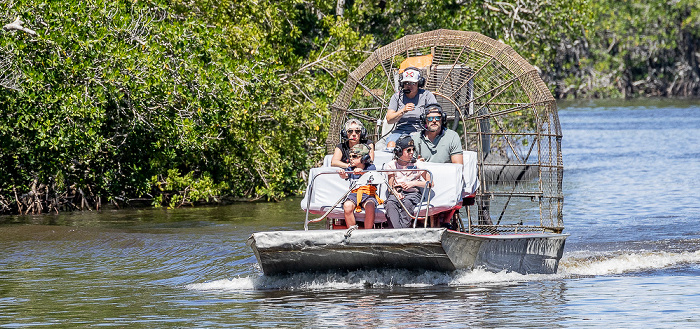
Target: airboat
[{"x": 500, "y": 211}]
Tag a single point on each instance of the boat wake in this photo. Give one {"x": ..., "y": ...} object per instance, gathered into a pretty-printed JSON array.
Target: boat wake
[
  {"x": 361, "y": 279},
  {"x": 623, "y": 262},
  {"x": 574, "y": 264}
]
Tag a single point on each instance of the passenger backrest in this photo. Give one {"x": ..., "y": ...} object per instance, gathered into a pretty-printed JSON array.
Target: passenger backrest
[
  {"x": 469, "y": 172},
  {"x": 448, "y": 185},
  {"x": 329, "y": 188}
]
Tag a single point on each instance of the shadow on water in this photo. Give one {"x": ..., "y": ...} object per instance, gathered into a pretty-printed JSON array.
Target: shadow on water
[{"x": 245, "y": 212}]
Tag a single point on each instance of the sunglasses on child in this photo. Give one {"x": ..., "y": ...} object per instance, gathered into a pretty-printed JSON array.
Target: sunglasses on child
[
  {"x": 355, "y": 156},
  {"x": 354, "y": 131},
  {"x": 410, "y": 149}
]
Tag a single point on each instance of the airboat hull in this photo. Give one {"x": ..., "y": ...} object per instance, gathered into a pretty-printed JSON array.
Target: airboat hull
[{"x": 436, "y": 249}]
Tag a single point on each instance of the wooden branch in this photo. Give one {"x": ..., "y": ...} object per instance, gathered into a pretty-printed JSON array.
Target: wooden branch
[{"x": 17, "y": 25}]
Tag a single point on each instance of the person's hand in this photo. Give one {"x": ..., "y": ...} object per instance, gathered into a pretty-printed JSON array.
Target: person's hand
[
  {"x": 415, "y": 183},
  {"x": 420, "y": 158},
  {"x": 408, "y": 108},
  {"x": 357, "y": 170},
  {"x": 398, "y": 189},
  {"x": 342, "y": 174}
]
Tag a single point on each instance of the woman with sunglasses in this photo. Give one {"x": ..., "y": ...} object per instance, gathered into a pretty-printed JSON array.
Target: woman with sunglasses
[{"x": 353, "y": 133}]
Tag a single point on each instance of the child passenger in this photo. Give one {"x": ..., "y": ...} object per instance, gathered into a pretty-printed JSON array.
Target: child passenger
[
  {"x": 367, "y": 194},
  {"x": 406, "y": 184}
]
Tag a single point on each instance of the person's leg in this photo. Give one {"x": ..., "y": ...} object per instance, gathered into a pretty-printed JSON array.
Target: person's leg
[
  {"x": 410, "y": 201},
  {"x": 370, "y": 205},
  {"x": 349, "y": 211},
  {"x": 391, "y": 139},
  {"x": 393, "y": 211},
  {"x": 405, "y": 219}
]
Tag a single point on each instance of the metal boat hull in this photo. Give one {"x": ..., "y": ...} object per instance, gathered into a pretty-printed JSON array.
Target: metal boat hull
[{"x": 437, "y": 249}]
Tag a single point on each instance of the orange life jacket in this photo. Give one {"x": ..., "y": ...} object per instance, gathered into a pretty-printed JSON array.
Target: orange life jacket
[{"x": 370, "y": 190}]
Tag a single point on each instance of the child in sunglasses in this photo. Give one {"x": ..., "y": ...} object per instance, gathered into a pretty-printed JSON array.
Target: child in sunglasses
[
  {"x": 360, "y": 162},
  {"x": 405, "y": 184}
]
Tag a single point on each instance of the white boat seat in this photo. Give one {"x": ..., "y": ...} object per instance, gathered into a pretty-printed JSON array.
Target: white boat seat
[
  {"x": 452, "y": 183},
  {"x": 327, "y": 190}
]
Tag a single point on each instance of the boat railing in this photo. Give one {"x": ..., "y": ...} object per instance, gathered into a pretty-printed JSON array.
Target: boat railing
[{"x": 390, "y": 189}]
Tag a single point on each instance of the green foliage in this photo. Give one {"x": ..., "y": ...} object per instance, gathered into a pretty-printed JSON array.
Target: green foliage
[
  {"x": 110, "y": 94},
  {"x": 231, "y": 97},
  {"x": 634, "y": 48},
  {"x": 185, "y": 189}
]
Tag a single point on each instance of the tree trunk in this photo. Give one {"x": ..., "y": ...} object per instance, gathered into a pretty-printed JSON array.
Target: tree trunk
[{"x": 340, "y": 7}]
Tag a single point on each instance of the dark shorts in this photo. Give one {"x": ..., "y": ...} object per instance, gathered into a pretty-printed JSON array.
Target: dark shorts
[{"x": 365, "y": 198}]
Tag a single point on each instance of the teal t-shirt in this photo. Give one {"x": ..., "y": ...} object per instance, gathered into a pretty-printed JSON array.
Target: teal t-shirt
[{"x": 445, "y": 145}]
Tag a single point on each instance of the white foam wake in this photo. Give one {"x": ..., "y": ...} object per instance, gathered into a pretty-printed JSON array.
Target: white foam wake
[
  {"x": 624, "y": 262},
  {"x": 363, "y": 279},
  {"x": 572, "y": 265}
]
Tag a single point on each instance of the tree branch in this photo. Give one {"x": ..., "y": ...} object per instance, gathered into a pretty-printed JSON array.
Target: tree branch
[{"x": 17, "y": 25}]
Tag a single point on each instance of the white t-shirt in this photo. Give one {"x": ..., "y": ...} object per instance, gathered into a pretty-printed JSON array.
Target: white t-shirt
[{"x": 404, "y": 176}]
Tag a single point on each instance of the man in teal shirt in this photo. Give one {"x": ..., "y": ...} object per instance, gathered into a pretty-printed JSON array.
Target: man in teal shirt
[{"x": 436, "y": 143}]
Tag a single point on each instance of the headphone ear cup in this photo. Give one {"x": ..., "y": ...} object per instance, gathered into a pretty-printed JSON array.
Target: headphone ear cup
[
  {"x": 366, "y": 159},
  {"x": 444, "y": 119},
  {"x": 363, "y": 134},
  {"x": 343, "y": 135},
  {"x": 397, "y": 151},
  {"x": 421, "y": 82},
  {"x": 423, "y": 120}
]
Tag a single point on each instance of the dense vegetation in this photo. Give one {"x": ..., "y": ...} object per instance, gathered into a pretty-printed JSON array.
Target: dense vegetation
[{"x": 183, "y": 101}]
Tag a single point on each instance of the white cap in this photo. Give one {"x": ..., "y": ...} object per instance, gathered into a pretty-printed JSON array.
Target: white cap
[{"x": 410, "y": 75}]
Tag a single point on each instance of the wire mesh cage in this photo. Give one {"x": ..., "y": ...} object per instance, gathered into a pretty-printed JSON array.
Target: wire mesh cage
[{"x": 499, "y": 106}]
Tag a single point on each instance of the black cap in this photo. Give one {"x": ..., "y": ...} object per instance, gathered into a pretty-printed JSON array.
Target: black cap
[
  {"x": 405, "y": 141},
  {"x": 433, "y": 107}
]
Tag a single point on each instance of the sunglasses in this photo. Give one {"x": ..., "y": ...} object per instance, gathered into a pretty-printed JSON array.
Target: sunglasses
[
  {"x": 354, "y": 131},
  {"x": 409, "y": 83},
  {"x": 432, "y": 119},
  {"x": 355, "y": 156},
  {"x": 410, "y": 149}
]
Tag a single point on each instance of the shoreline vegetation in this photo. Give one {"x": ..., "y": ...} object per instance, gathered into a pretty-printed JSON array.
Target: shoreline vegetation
[{"x": 172, "y": 103}]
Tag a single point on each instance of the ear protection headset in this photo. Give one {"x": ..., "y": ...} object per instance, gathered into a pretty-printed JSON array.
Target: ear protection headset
[
  {"x": 366, "y": 160},
  {"x": 344, "y": 131},
  {"x": 427, "y": 110},
  {"x": 421, "y": 79},
  {"x": 398, "y": 150}
]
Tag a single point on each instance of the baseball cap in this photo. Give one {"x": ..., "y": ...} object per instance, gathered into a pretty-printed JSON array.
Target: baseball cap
[
  {"x": 360, "y": 149},
  {"x": 405, "y": 141},
  {"x": 410, "y": 75},
  {"x": 433, "y": 108}
]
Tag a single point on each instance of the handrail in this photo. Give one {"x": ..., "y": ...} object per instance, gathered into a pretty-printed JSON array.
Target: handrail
[{"x": 415, "y": 218}]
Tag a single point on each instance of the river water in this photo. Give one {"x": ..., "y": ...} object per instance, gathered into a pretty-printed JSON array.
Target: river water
[{"x": 632, "y": 260}]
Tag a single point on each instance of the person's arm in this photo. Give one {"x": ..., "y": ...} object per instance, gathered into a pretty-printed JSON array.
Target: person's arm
[
  {"x": 424, "y": 182},
  {"x": 335, "y": 160},
  {"x": 393, "y": 113},
  {"x": 456, "y": 150},
  {"x": 392, "y": 190},
  {"x": 395, "y": 116},
  {"x": 371, "y": 151}
]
